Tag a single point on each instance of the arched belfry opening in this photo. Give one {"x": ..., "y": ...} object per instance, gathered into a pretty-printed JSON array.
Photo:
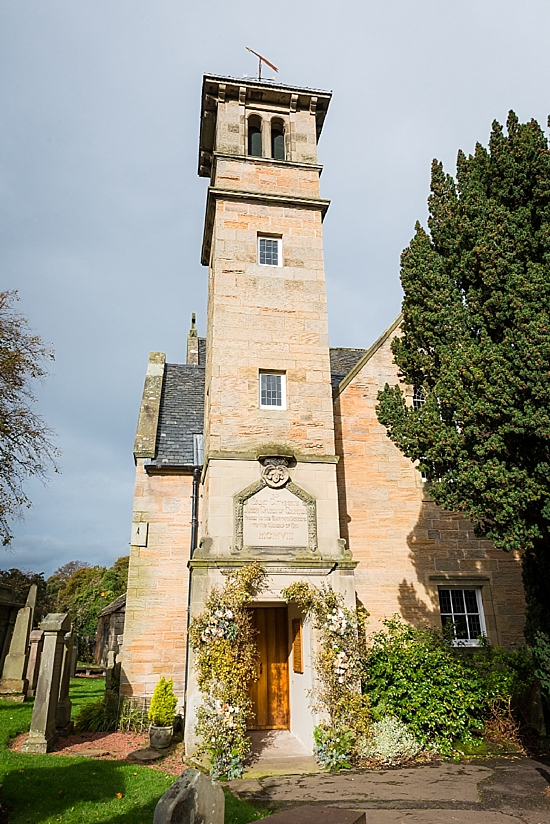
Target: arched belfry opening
[
  {"x": 255, "y": 136},
  {"x": 277, "y": 139}
]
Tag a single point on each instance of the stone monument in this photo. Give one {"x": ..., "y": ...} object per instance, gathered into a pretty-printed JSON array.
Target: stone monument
[
  {"x": 14, "y": 684},
  {"x": 63, "y": 716},
  {"x": 43, "y": 733},
  {"x": 36, "y": 639},
  {"x": 192, "y": 798}
]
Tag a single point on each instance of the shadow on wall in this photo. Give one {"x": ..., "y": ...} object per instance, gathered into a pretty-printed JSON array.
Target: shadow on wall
[{"x": 440, "y": 543}]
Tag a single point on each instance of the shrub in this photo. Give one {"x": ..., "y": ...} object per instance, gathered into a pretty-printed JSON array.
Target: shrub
[
  {"x": 333, "y": 748},
  {"x": 391, "y": 742},
  {"x": 100, "y": 715},
  {"x": 440, "y": 692},
  {"x": 163, "y": 704}
]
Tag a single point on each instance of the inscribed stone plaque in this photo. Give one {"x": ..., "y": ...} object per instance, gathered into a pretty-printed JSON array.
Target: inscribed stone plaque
[{"x": 275, "y": 517}]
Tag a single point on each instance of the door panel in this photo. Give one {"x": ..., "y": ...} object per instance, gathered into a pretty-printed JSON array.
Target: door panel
[{"x": 269, "y": 695}]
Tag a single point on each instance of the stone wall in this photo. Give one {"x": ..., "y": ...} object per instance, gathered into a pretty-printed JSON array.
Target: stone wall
[
  {"x": 267, "y": 317},
  {"x": 406, "y": 546},
  {"x": 156, "y": 606}
]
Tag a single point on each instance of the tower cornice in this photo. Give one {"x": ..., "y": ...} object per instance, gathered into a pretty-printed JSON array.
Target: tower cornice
[{"x": 215, "y": 193}]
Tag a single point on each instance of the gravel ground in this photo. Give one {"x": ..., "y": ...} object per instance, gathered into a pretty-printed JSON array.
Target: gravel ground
[{"x": 114, "y": 746}]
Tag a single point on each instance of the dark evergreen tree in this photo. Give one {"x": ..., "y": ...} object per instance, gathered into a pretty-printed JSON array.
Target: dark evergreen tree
[{"x": 476, "y": 340}]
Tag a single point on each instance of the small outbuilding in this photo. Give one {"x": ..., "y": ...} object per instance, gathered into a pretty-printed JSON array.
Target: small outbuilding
[{"x": 110, "y": 628}]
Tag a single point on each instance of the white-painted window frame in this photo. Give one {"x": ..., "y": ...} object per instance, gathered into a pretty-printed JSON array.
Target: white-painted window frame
[
  {"x": 470, "y": 642},
  {"x": 279, "y": 242},
  {"x": 271, "y": 406}
]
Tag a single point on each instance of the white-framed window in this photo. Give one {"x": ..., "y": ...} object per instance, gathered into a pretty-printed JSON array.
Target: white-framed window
[
  {"x": 269, "y": 251},
  {"x": 418, "y": 398},
  {"x": 463, "y": 609},
  {"x": 272, "y": 390}
]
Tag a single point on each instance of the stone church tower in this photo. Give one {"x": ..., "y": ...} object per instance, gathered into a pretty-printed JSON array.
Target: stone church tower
[{"x": 265, "y": 445}]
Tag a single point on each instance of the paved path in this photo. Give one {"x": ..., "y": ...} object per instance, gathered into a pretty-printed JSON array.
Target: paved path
[{"x": 489, "y": 791}]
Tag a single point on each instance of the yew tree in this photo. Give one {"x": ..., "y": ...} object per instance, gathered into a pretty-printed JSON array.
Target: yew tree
[{"x": 476, "y": 341}]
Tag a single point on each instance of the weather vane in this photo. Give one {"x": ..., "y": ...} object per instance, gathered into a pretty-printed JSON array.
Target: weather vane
[{"x": 260, "y": 61}]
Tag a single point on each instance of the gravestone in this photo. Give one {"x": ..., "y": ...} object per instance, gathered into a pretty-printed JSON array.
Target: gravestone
[
  {"x": 63, "y": 716},
  {"x": 14, "y": 684},
  {"x": 36, "y": 639},
  {"x": 43, "y": 733},
  {"x": 192, "y": 799}
]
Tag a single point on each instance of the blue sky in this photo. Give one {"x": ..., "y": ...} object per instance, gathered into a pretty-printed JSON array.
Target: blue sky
[{"x": 102, "y": 209}]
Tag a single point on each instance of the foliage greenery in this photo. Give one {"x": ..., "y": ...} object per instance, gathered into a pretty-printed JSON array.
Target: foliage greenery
[
  {"x": 476, "y": 340},
  {"x": 338, "y": 667},
  {"x": 163, "y": 704},
  {"x": 223, "y": 640},
  {"x": 100, "y": 715},
  {"x": 391, "y": 742},
  {"x": 83, "y": 591},
  {"x": 25, "y": 446},
  {"x": 441, "y": 692}
]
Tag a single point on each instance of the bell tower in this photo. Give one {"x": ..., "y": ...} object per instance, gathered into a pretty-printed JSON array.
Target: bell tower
[{"x": 269, "y": 477}]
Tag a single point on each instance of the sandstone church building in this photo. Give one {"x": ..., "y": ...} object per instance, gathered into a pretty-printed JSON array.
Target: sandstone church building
[{"x": 265, "y": 444}]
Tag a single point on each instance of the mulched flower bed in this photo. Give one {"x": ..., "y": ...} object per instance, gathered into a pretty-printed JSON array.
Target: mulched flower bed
[{"x": 114, "y": 746}]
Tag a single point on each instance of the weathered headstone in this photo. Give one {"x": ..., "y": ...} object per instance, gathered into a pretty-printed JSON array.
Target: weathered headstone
[
  {"x": 13, "y": 685},
  {"x": 43, "y": 732},
  {"x": 192, "y": 799},
  {"x": 36, "y": 639},
  {"x": 63, "y": 717}
]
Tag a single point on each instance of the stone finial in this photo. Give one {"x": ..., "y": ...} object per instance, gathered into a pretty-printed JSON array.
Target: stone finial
[{"x": 193, "y": 343}]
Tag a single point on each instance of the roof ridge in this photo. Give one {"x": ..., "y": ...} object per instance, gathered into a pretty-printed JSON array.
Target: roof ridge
[{"x": 367, "y": 356}]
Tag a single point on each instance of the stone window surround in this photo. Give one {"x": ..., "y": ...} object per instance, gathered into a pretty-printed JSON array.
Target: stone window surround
[{"x": 266, "y": 120}]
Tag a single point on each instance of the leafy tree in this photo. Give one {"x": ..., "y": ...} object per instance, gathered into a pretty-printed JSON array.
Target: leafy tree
[
  {"x": 83, "y": 590},
  {"x": 25, "y": 447},
  {"x": 61, "y": 576},
  {"x": 21, "y": 582},
  {"x": 476, "y": 340}
]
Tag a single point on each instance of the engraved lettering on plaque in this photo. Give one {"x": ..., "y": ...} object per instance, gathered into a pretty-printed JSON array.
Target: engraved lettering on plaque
[{"x": 275, "y": 517}]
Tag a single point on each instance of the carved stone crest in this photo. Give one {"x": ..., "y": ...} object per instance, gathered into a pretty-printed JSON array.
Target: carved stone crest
[{"x": 275, "y": 472}]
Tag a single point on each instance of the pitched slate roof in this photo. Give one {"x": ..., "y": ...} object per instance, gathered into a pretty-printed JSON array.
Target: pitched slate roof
[
  {"x": 181, "y": 414},
  {"x": 341, "y": 361}
]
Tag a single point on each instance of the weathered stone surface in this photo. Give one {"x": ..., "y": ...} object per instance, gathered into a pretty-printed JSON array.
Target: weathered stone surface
[
  {"x": 14, "y": 682},
  {"x": 144, "y": 756},
  {"x": 36, "y": 639},
  {"x": 318, "y": 815},
  {"x": 43, "y": 732},
  {"x": 192, "y": 799},
  {"x": 63, "y": 715}
]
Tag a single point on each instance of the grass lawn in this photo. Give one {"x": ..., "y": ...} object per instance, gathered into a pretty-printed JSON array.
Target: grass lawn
[{"x": 43, "y": 789}]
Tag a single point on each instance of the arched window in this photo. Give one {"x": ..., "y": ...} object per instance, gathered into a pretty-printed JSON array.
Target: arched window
[
  {"x": 277, "y": 140},
  {"x": 254, "y": 136}
]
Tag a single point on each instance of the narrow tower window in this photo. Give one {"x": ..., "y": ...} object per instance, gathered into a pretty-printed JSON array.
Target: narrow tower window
[
  {"x": 269, "y": 251},
  {"x": 272, "y": 390},
  {"x": 254, "y": 136},
  {"x": 418, "y": 398},
  {"x": 277, "y": 140}
]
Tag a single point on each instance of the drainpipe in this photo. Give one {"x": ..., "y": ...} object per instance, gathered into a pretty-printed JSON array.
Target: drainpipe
[{"x": 198, "y": 462}]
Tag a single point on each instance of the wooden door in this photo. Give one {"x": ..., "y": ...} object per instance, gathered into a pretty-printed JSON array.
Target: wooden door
[{"x": 269, "y": 694}]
